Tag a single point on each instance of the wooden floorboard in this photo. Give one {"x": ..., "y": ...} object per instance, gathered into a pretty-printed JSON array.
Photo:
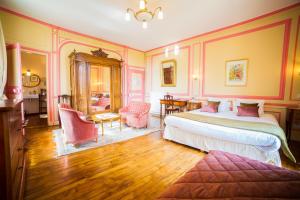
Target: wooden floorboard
[{"x": 140, "y": 168}]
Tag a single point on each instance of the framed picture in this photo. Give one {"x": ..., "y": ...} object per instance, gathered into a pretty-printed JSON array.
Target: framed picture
[
  {"x": 30, "y": 81},
  {"x": 168, "y": 73},
  {"x": 34, "y": 78},
  {"x": 236, "y": 72}
]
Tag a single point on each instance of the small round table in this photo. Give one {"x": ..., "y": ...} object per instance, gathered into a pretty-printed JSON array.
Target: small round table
[{"x": 106, "y": 117}]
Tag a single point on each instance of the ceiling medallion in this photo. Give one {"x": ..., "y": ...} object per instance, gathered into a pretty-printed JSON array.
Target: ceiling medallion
[{"x": 143, "y": 14}]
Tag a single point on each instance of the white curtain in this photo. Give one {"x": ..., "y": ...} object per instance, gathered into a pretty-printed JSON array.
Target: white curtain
[{"x": 3, "y": 62}]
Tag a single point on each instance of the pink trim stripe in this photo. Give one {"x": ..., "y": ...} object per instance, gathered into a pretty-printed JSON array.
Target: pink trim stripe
[
  {"x": 50, "y": 91},
  {"x": 63, "y": 29},
  {"x": 190, "y": 38},
  {"x": 188, "y": 74},
  {"x": 230, "y": 26},
  {"x": 135, "y": 94},
  {"x": 280, "y": 96},
  {"x": 60, "y": 46},
  {"x": 294, "y": 61}
]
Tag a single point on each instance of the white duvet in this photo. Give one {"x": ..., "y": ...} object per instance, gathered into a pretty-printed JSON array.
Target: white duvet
[{"x": 263, "y": 141}]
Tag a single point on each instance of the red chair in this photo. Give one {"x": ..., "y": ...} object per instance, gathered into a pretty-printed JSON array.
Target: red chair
[
  {"x": 76, "y": 129},
  {"x": 136, "y": 114}
]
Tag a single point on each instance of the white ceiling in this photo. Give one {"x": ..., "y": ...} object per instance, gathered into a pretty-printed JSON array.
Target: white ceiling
[{"x": 182, "y": 18}]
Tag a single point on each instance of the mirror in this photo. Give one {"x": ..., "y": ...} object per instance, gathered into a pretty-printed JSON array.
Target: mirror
[
  {"x": 168, "y": 73},
  {"x": 30, "y": 81},
  {"x": 100, "y": 100}
]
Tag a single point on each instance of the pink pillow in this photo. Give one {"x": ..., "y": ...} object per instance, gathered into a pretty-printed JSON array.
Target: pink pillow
[
  {"x": 211, "y": 108},
  {"x": 247, "y": 111}
]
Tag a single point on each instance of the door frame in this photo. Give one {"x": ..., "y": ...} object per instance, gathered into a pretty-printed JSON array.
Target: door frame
[
  {"x": 49, "y": 81},
  {"x": 138, "y": 95}
]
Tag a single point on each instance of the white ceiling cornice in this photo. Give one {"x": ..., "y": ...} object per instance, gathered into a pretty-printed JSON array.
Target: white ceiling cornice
[{"x": 104, "y": 19}]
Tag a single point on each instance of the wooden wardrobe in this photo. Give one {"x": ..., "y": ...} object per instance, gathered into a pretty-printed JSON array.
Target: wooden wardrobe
[{"x": 80, "y": 69}]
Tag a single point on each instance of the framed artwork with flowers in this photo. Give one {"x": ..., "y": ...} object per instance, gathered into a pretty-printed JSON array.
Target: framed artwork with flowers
[{"x": 236, "y": 72}]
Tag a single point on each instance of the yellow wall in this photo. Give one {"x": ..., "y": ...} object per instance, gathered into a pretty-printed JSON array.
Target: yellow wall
[
  {"x": 261, "y": 44},
  {"x": 262, "y": 49},
  {"x": 57, "y": 43},
  {"x": 35, "y": 63}
]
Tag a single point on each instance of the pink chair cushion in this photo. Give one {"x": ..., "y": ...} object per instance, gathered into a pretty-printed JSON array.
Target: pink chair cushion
[
  {"x": 136, "y": 114},
  {"x": 211, "y": 108},
  {"x": 248, "y": 111},
  {"x": 76, "y": 130}
]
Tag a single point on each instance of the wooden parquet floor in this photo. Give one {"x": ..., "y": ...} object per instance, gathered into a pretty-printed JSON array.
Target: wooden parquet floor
[{"x": 141, "y": 168}]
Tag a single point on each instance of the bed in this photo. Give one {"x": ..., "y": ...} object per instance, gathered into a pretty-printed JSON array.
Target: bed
[
  {"x": 204, "y": 136},
  {"x": 221, "y": 175},
  {"x": 99, "y": 104}
]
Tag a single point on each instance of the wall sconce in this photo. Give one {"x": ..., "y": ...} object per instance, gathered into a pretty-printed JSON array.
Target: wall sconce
[
  {"x": 176, "y": 51},
  {"x": 28, "y": 72},
  {"x": 194, "y": 77},
  {"x": 167, "y": 52}
]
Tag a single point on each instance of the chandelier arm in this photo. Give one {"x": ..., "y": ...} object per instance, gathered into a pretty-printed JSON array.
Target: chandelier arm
[
  {"x": 131, "y": 10},
  {"x": 157, "y": 9}
]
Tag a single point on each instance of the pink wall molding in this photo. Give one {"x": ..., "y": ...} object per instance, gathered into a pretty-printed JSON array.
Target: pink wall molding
[
  {"x": 50, "y": 103},
  {"x": 294, "y": 61},
  {"x": 135, "y": 94},
  {"x": 188, "y": 48},
  {"x": 179, "y": 41},
  {"x": 193, "y": 66},
  {"x": 230, "y": 26},
  {"x": 65, "y": 42},
  {"x": 63, "y": 29},
  {"x": 287, "y": 24}
]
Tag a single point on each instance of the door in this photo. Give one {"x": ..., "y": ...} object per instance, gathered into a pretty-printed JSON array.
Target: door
[{"x": 136, "y": 84}]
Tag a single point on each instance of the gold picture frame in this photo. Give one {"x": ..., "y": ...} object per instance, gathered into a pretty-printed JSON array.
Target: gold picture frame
[
  {"x": 236, "y": 72},
  {"x": 30, "y": 81},
  {"x": 168, "y": 73}
]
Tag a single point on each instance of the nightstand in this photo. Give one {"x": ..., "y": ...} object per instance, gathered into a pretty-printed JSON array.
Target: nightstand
[
  {"x": 193, "y": 105},
  {"x": 292, "y": 117}
]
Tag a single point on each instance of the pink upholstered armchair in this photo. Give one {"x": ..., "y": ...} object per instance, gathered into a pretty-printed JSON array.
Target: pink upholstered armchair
[
  {"x": 135, "y": 114},
  {"x": 77, "y": 130},
  {"x": 68, "y": 106}
]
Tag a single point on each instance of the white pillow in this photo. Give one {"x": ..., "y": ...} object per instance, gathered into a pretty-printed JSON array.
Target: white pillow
[
  {"x": 224, "y": 104},
  {"x": 238, "y": 102}
]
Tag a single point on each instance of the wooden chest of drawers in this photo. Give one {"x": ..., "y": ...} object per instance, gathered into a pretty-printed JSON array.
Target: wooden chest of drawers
[{"x": 12, "y": 150}]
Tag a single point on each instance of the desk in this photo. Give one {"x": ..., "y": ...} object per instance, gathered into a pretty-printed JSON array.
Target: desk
[
  {"x": 290, "y": 119},
  {"x": 176, "y": 102}
]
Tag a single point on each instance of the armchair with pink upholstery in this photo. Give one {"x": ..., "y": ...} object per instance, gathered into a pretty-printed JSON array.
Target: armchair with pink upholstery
[
  {"x": 76, "y": 129},
  {"x": 68, "y": 106},
  {"x": 136, "y": 114}
]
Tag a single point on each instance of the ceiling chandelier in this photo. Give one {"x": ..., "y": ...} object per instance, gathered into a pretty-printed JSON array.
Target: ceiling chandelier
[{"x": 143, "y": 14}]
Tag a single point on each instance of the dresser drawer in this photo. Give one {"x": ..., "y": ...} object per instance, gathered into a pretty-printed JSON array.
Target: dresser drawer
[
  {"x": 15, "y": 136},
  {"x": 17, "y": 156},
  {"x": 18, "y": 177}
]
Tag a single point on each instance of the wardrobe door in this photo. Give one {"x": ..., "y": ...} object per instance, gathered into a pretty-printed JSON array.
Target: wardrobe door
[
  {"x": 82, "y": 89},
  {"x": 116, "y": 89}
]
